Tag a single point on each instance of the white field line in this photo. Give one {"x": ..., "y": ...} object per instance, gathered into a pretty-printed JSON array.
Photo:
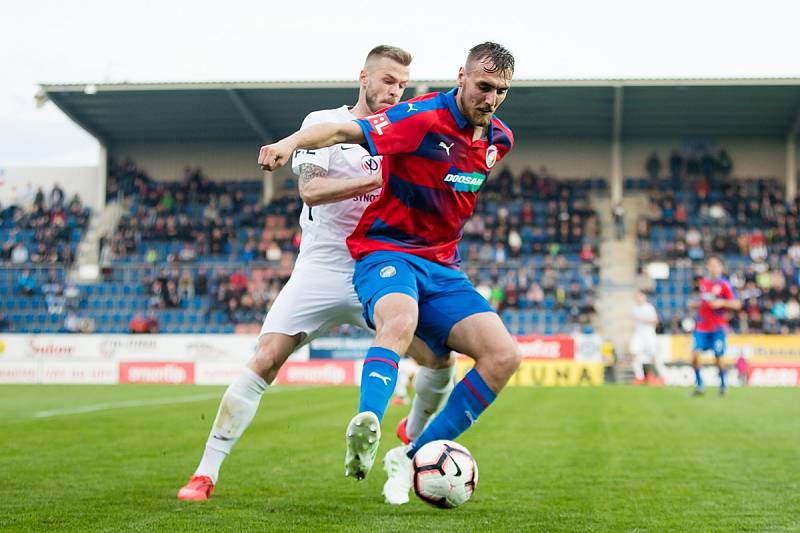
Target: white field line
[{"x": 128, "y": 404}]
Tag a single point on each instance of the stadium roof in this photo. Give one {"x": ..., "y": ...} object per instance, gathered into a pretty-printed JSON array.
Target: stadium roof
[{"x": 542, "y": 109}]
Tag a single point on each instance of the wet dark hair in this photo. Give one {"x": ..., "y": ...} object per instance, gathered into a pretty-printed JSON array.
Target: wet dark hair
[{"x": 496, "y": 54}]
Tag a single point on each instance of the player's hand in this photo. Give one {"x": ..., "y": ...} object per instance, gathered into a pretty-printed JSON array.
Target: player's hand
[
  {"x": 274, "y": 156},
  {"x": 717, "y": 304}
]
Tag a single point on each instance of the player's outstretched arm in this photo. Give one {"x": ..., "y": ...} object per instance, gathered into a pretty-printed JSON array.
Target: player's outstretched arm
[
  {"x": 273, "y": 156},
  {"x": 316, "y": 189},
  {"x": 732, "y": 305}
]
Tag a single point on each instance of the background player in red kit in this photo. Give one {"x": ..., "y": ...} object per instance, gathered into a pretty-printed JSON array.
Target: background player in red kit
[{"x": 717, "y": 297}]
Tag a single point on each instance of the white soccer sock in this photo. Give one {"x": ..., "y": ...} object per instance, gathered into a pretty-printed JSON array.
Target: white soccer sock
[
  {"x": 236, "y": 410},
  {"x": 432, "y": 387},
  {"x": 401, "y": 389}
]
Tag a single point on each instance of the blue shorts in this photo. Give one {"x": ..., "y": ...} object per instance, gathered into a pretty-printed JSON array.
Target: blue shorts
[
  {"x": 714, "y": 341},
  {"x": 445, "y": 295}
]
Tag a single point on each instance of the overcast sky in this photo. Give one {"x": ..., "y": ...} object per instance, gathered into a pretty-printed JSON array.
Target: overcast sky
[{"x": 56, "y": 41}]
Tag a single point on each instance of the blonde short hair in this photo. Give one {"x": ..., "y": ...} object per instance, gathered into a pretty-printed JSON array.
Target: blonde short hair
[{"x": 392, "y": 52}]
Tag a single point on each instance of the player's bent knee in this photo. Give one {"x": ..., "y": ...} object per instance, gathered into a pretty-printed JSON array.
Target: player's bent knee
[
  {"x": 506, "y": 361},
  {"x": 397, "y": 329},
  {"x": 272, "y": 351}
]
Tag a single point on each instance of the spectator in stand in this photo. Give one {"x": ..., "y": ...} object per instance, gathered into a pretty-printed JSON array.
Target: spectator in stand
[
  {"x": 156, "y": 300},
  {"x": 72, "y": 323},
  {"x": 708, "y": 165},
  {"x": 172, "y": 299},
  {"x": 233, "y": 310},
  {"x": 676, "y": 165},
  {"x": 618, "y": 213},
  {"x": 586, "y": 254},
  {"x": 38, "y": 199},
  {"x": 692, "y": 165},
  {"x": 107, "y": 261},
  {"x": 238, "y": 281},
  {"x": 152, "y": 322},
  {"x": 53, "y": 294},
  {"x": 186, "y": 286},
  {"x": 19, "y": 254},
  {"x": 724, "y": 163},
  {"x": 26, "y": 283},
  {"x": 201, "y": 282},
  {"x": 653, "y": 166},
  {"x": 139, "y": 324},
  {"x": 187, "y": 253},
  {"x": 72, "y": 296}
]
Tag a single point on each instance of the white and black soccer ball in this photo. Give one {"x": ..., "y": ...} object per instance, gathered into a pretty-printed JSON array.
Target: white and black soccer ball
[{"x": 445, "y": 474}]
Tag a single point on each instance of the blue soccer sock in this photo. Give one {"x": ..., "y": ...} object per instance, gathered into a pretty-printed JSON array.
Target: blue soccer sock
[
  {"x": 470, "y": 397},
  {"x": 378, "y": 378},
  {"x": 722, "y": 384},
  {"x": 698, "y": 379}
]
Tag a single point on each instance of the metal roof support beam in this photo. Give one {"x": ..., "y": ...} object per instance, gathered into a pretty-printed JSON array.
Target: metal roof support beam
[
  {"x": 791, "y": 158},
  {"x": 102, "y": 176},
  {"x": 249, "y": 117},
  {"x": 791, "y": 168},
  {"x": 616, "y": 147}
]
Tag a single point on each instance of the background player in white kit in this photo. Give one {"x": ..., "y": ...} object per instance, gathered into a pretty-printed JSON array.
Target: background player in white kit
[
  {"x": 336, "y": 185},
  {"x": 644, "y": 342}
]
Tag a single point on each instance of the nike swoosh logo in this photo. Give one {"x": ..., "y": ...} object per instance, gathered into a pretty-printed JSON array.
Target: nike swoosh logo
[
  {"x": 219, "y": 437},
  {"x": 458, "y": 468},
  {"x": 348, "y": 147}
]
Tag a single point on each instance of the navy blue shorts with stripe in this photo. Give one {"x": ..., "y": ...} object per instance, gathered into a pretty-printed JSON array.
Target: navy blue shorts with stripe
[{"x": 445, "y": 295}]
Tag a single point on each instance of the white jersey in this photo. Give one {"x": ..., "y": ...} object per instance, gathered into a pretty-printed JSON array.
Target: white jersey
[
  {"x": 644, "y": 343},
  {"x": 645, "y": 317},
  {"x": 326, "y": 227}
]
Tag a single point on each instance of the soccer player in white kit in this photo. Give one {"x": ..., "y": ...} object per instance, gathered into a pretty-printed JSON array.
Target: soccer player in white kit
[
  {"x": 336, "y": 185},
  {"x": 644, "y": 342}
]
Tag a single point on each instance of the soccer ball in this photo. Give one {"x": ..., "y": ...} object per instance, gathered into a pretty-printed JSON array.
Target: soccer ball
[{"x": 445, "y": 474}]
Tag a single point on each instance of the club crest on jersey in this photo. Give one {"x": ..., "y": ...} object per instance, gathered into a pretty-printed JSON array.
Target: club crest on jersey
[
  {"x": 379, "y": 122},
  {"x": 491, "y": 156},
  {"x": 371, "y": 165},
  {"x": 388, "y": 271}
]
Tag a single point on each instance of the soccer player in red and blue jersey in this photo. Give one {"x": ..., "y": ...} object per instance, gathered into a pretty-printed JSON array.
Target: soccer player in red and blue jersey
[
  {"x": 717, "y": 297},
  {"x": 438, "y": 150}
]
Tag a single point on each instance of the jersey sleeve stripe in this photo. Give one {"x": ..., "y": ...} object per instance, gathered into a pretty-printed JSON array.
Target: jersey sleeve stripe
[
  {"x": 367, "y": 129},
  {"x": 404, "y": 110}
]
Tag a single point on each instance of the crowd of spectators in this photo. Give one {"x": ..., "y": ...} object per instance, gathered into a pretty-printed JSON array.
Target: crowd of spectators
[
  {"x": 706, "y": 162},
  {"x": 532, "y": 213},
  {"x": 49, "y": 220},
  {"x": 206, "y": 217},
  {"x": 749, "y": 218},
  {"x": 749, "y": 222},
  {"x": 516, "y": 216}
]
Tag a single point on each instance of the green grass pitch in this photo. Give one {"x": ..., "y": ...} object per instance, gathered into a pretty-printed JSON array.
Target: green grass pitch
[{"x": 572, "y": 459}]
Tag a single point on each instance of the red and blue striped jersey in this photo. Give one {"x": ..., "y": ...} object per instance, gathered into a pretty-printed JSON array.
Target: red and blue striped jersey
[
  {"x": 708, "y": 318},
  {"x": 432, "y": 172}
]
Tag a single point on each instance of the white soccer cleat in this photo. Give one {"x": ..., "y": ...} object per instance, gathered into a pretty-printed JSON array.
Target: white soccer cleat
[
  {"x": 398, "y": 468},
  {"x": 363, "y": 438}
]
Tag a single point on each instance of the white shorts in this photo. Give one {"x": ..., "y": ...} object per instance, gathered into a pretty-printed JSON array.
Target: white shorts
[
  {"x": 313, "y": 301},
  {"x": 645, "y": 346}
]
